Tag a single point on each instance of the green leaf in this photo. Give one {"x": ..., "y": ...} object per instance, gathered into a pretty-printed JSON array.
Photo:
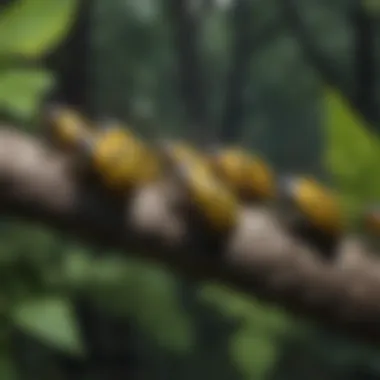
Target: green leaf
[
  {"x": 51, "y": 320},
  {"x": 237, "y": 305},
  {"x": 7, "y": 367},
  {"x": 144, "y": 293},
  {"x": 31, "y": 28},
  {"x": 156, "y": 308},
  {"x": 21, "y": 90},
  {"x": 254, "y": 353},
  {"x": 352, "y": 153}
]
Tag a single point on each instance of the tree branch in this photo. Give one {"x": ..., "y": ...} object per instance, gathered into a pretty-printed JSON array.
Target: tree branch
[
  {"x": 260, "y": 258},
  {"x": 329, "y": 70},
  {"x": 244, "y": 46}
]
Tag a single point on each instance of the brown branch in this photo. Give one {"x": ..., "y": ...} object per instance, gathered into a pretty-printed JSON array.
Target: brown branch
[
  {"x": 329, "y": 70},
  {"x": 260, "y": 259},
  {"x": 243, "y": 49}
]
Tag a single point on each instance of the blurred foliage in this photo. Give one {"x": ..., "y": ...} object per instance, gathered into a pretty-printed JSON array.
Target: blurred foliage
[
  {"x": 21, "y": 90},
  {"x": 116, "y": 283},
  {"x": 352, "y": 154},
  {"x": 51, "y": 320},
  {"x": 182, "y": 330},
  {"x": 254, "y": 345},
  {"x": 29, "y": 29}
]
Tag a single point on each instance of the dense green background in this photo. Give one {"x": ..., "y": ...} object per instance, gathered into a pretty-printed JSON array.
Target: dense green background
[{"x": 179, "y": 330}]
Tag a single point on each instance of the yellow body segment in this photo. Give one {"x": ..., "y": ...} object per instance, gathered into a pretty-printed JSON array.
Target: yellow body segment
[
  {"x": 213, "y": 200},
  {"x": 67, "y": 128},
  {"x": 122, "y": 160},
  {"x": 180, "y": 152},
  {"x": 183, "y": 151},
  {"x": 318, "y": 204},
  {"x": 248, "y": 175},
  {"x": 216, "y": 202}
]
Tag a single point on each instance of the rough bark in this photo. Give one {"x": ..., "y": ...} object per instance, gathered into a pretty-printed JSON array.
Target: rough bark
[{"x": 260, "y": 258}]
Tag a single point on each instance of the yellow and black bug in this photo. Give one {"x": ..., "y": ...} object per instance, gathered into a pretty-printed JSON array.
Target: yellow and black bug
[
  {"x": 66, "y": 128},
  {"x": 312, "y": 212},
  {"x": 106, "y": 150},
  {"x": 214, "y": 201},
  {"x": 210, "y": 206},
  {"x": 172, "y": 152},
  {"x": 120, "y": 159},
  {"x": 247, "y": 175}
]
